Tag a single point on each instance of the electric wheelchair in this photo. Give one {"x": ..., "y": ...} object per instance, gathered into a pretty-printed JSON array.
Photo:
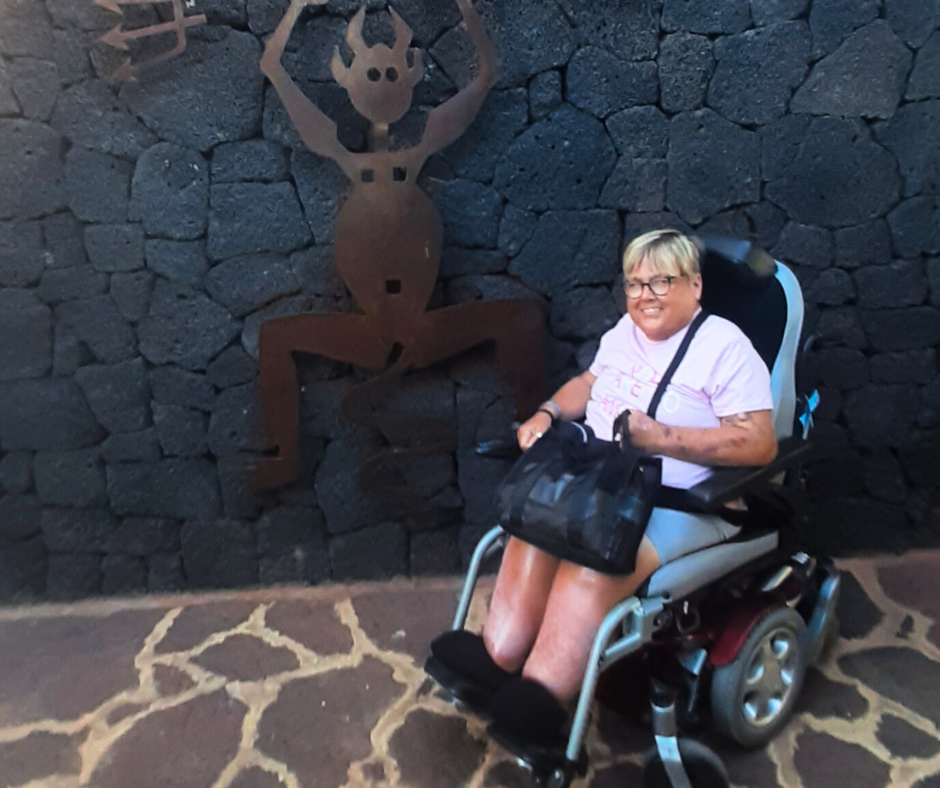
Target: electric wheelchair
[{"x": 734, "y": 626}]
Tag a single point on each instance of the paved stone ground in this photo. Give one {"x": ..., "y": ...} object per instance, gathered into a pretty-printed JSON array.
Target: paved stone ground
[{"x": 323, "y": 687}]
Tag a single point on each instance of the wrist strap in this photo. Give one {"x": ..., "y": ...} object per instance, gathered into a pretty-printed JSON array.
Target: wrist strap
[{"x": 700, "y": 318}]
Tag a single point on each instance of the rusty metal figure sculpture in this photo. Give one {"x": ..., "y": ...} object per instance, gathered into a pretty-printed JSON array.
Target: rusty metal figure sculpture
[
  {"x": 118, "y": 37},
  {"x": 388, "y": 239}
]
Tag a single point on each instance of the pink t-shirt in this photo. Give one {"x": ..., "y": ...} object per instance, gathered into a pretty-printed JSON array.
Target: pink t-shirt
[{"x": 721, "y": 375}]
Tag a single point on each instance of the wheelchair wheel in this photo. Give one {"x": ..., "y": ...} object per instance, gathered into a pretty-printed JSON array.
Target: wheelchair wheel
[
  {"x": 752, "y": 696},
  {"x": 703, "y": 767}
]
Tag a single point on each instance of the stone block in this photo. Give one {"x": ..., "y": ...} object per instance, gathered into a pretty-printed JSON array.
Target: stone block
[
  {"x": 131, "y": 292},
  {"x": 636, "y": 185},
  {"x": 379, "y": 551},
  {"x": 913, "y": 328},
  {"x": 65, "y": 241},
  {"x": 911, "y": 135},
  {"x": 924, "y": 81},
  {"x": 76, "y": 530},
  {"x": 345, "y": 506},
  {"x": 315, "y": 270},
  {"x": 115, "y": 247},
  {"x": 456, "y": 261},
  {"x": 695, "y": 192},
  {"x": 434, "y": 553},
  {"x": 244, "y": 284},
  {"x": 181, "y": 431},
  {"x": 639, "y": 132},
  {"x": 839, "y": 367},
  {"x": 219, "y": 554},
  {"x": 901, "y": 283},
  {"x": 131, "y": 447},
  {"x": 32, "y": 175},
  {"x": 235, "y": 423},
  {"x": 582, "y": 313},
  {"x": 216, "y": 89},
  {"x": 123, "y": 574},
  {"x": 884, "y": 478},
  {"x": 569, "y": 249},
  {"x": 863, "y": 78},
  {"x": 804, "y": 245},
  {"x": 16, "y": 472},
  {"x": 832, "y": 22},
  {"x": 832, "y": 287},
  {"x": 253, "y": 160},
  {"x": 911, "y": 366},
  {"x": 8, "y": 105},
  {"x": 560, "y": 162},
  {"x": 292, "y": 546},
  {"x": 920, "y": 459},
  {"x": 22, "y": 569},
  {"x": 933, "y": 278},
  {"x": 71, "y": 55},
  {"x": 470, "y": 213},
  {"x": 119, "y": 394},
  {"x": 842, "y": 324},
  {"x": 601, "y": 83},
  {"x": 478, "y": 478},
  {"x": 503, "y": 116},
  {"x": 27, "y": 31},
  {"x": 769, "y": 12},
  {"x": 915, "y": 226},
  {"x": 240, "y": 499},
  {"x": 757, "y": 72},
  {"x": 912, "y": 20},
  {"x": 880, "y": 415},
  {"x": 144, "y": 536},
  {"x": 20, "y": 517},
  {"x": 515, "y": 229},
  {"x": 727, "y": 17},
  {"x": 70, "y": 478},
  {"x": 47, "y": 413},
  {"x": 812, "y": 186},
  {"x": 165, "y": 573},
  {"x": 686, "y": 64},
  {"x": 177, "y": 488},
  {"x": 72, "y": 576},
  {"x": 77, "y": 282},
  {"x": 544, "y": 94},
  {"x": 25, "y": 337},
  {"x": 254, "y": 217},
  {"x": 231, "y": 367},
  {"x": 98, "y": 185},
  {"x": 21, "y": 253},
  {"x": 36, "y": 85},
  {"x": 322, "y": 189},
  {"x": 99, "y": 324},
  {"x": 90, "y": 115},
  {"x": 183, "y": 262},
  {"x": 170, "y": 192},
  {"x": 184, "y": 327},
  {"x": 864, "y": 243},
  {"x": 929, "y": 414}
]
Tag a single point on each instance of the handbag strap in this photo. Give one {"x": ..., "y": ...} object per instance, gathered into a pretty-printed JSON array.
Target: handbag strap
[{"x": 694, "y": 326}]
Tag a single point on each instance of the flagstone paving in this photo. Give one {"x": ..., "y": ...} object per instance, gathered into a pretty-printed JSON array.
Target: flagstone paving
[{"x": 324, "y": 688}]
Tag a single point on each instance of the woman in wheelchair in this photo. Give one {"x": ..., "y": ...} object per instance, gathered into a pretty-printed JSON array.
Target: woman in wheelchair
[{"x": 717, "y": 410}]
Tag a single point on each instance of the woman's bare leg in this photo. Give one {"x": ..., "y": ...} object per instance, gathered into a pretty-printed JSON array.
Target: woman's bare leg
[
  {"x": 577, "y": 604},
  {"x": 518, "y": 605}
]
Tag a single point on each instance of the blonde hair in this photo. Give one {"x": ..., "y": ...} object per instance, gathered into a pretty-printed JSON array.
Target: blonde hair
[{"x": 668, "y": 251}]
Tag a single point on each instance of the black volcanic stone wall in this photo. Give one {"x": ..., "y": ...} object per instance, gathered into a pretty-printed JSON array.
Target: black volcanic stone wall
[{"x": 147, "y": 230}]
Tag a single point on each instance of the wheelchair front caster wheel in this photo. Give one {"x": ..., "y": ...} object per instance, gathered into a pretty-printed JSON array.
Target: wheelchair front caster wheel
[
  {"x": 702, "y": 766},
  {"x": 559, "y": 778}
]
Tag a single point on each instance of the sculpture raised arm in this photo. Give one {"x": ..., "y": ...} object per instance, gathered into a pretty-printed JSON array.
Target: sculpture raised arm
[
  {"x": 316, "y": 129},
  {"x": 448, "y": 121}
]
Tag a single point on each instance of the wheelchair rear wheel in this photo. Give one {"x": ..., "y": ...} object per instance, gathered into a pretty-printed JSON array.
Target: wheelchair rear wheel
[
  {"x": 753, "y": 695},
  {"x": 703, "y": 767}
]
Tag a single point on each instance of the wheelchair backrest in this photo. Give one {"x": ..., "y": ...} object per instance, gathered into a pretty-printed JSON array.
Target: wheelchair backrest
[{"x": 744, "y": 284}]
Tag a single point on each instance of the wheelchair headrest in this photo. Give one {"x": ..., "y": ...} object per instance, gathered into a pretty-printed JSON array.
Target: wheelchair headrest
[{"x": 739, "y": 284}]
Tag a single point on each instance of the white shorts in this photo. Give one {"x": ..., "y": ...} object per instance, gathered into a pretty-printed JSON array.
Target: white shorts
[{"x": 675, "y": 533}]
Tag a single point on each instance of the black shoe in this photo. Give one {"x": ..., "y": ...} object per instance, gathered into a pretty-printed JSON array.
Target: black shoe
[
  {"x": 460, "y": 663},
  {"x": 530, "y": 723}
]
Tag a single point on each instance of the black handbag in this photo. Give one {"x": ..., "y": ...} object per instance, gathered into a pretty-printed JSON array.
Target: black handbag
[{"x": 583, "y": 499}]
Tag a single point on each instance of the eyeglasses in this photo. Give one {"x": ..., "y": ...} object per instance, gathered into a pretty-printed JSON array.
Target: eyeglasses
[{"x": 658, "y": 285}]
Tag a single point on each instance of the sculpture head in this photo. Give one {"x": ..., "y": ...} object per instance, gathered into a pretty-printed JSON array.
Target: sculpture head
[{"x": 379, "y": 80}]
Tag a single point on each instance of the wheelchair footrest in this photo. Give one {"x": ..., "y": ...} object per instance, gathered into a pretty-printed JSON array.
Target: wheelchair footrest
[
  {"x": 542, "y": 758},
  {"x": 464, "y": 690}
]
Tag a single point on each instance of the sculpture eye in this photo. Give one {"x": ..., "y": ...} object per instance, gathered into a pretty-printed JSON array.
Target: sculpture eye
[
  {"x": 374, "y": 75},
  {"x": 391, "y": 74}
]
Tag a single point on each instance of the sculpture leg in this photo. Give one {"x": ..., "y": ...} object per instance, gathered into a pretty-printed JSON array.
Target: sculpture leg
[
  {"x": 515, "y": 326},
  {"x": 349, "y": 338}
]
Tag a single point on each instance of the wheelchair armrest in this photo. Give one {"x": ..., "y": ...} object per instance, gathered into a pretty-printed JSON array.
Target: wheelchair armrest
[{"x": 728, "y": 484}]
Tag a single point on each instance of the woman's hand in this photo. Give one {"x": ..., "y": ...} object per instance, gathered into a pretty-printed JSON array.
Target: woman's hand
[{"x": 533, "y": 429}]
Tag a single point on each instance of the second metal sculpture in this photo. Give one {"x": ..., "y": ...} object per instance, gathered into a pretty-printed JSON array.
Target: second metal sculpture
[{"x": 388, "y": 239}]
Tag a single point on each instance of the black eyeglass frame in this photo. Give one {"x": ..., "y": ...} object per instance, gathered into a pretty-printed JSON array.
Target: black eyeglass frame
[{"x": 631, "y": 283}]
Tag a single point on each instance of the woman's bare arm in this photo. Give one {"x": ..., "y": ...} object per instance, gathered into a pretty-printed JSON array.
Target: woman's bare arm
[
  {"x": 743, "y": 439},
  {"x": 571, "y": 399}
]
